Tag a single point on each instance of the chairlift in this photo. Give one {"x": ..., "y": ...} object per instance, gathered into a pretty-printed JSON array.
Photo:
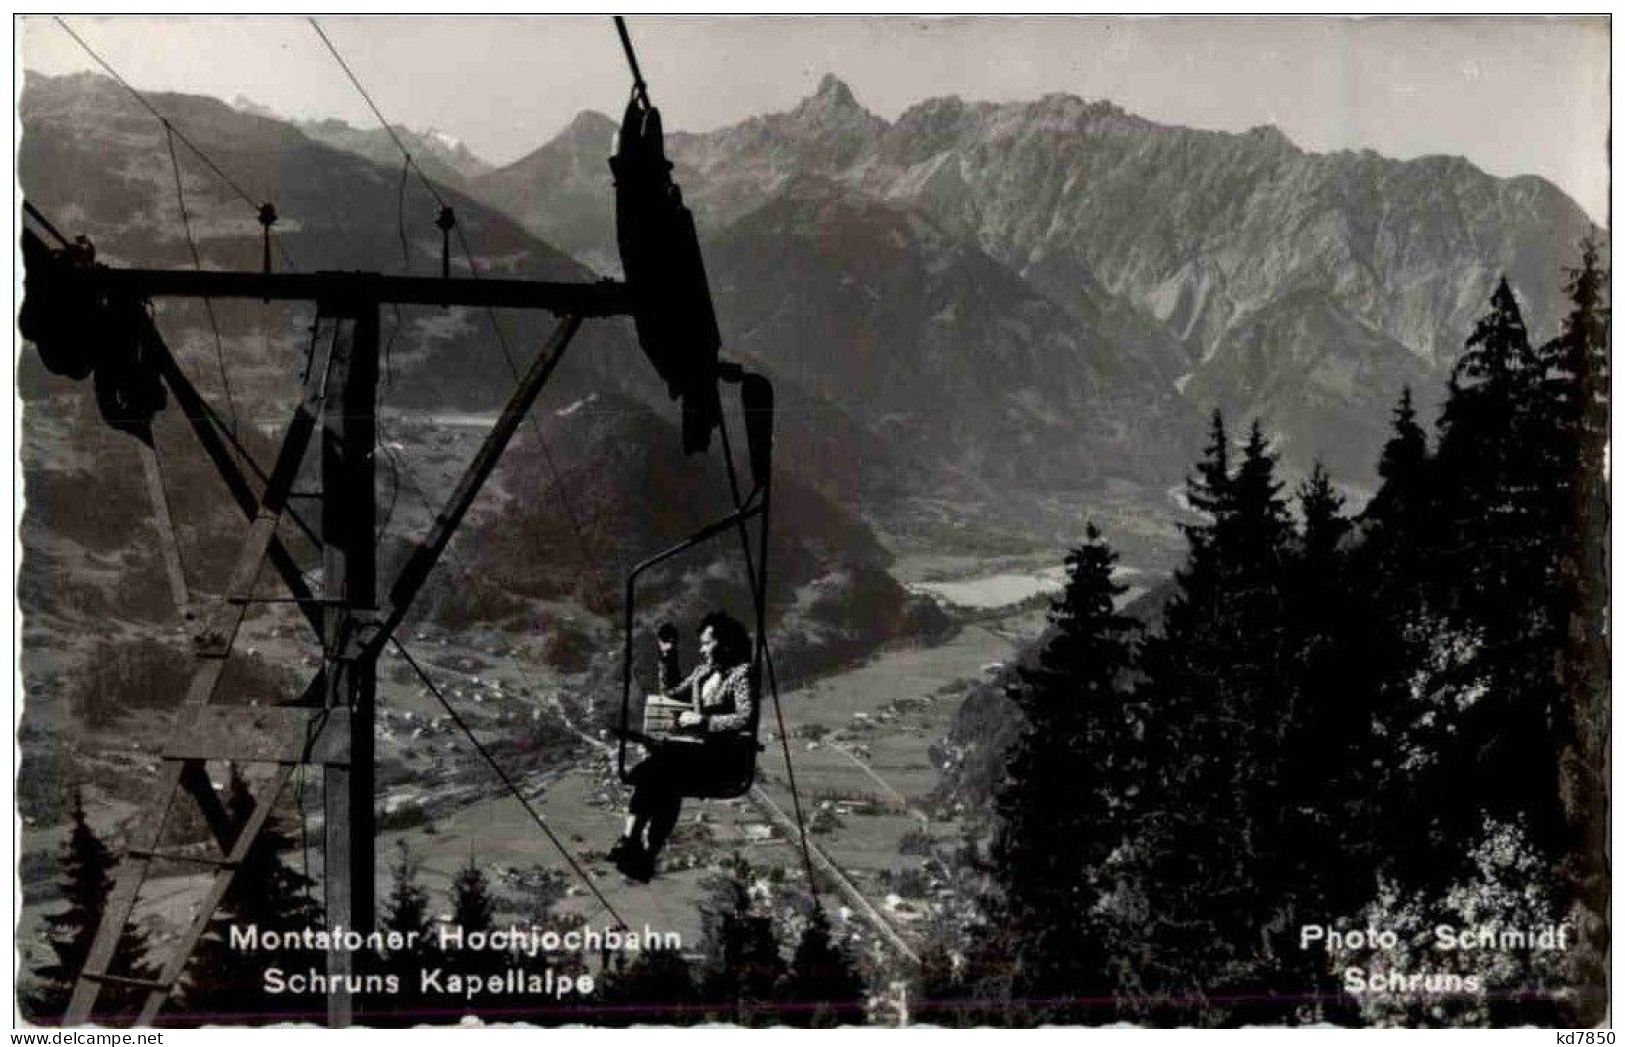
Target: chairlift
[
  {"x": 677, "y": 329},
  {"x": 729, "y": 767}
]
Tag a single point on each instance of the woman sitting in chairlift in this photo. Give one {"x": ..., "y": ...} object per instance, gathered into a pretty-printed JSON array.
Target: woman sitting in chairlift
[{"x": 712, "y": 737}]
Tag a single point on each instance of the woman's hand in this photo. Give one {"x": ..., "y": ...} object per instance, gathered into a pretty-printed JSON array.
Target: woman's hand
[{"x": 690, "y": 719}]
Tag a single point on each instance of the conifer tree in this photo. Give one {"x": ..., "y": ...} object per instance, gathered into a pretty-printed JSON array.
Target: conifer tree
[
  {"x": 87, "y": 880},
  {"x": 1573, "y": 417},
  {"x": 1216, "y": 697},
  {"x": 1395, "y": 595},
  {"x": 1489, "y": 473},
  {"x": 1324, "y": 856},
  {"x": 1398, "y": 517},
  {"x": 742, "y": 964},
  {"x": 1497, "y": 479},
  {"x": 473, "y": 910},
  {"x": 537, "y": 905},
  {"x": 823, "y": 984},
  {"x": 655, "y": 988},
  {"x": 472, "y": 907},
  {"x": 406, "y": 912},
  {"x": 224, "y": 984},
  {"x": 1060, "y": 808},
  {"x": 1575, "y": 406}
]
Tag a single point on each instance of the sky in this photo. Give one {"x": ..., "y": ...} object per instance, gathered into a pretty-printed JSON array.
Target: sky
[{"x": 1513, "y": 95}]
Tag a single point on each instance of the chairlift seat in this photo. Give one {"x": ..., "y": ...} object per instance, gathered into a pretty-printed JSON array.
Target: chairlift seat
[{"x": 703, "y": 767}]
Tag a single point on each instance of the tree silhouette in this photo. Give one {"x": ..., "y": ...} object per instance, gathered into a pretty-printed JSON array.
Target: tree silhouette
[
  {"x": 1398, "y": 520},
  {"x": 1324, "y": 856},
  {"x": 823, "y": 983},
  {"x": 742, "y": 964},
  {"x": 1489, "y": 496},
  {"x": 1217, "y": 697},
  {"x": 473, "y": 909},
  {"x": 1574, "y": 408},
  {"x": 1060, "y": 808},
  {"x": 538, "y": 906},
  {"x": 406, "y": 913},
  {"x": 226, "y": 985},
  {"x": 655, "y": 988},
  {"x": 1500, "y": 573},
  {"x": 87, "y": 880}
]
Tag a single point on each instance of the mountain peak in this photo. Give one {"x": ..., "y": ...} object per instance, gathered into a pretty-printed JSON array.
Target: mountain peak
[
  {"x": 834, "y": 91},
  {"x": 588, "y": 126},
  {"x": 831, "y": 122},
  {"x": 833, "y": 97}
]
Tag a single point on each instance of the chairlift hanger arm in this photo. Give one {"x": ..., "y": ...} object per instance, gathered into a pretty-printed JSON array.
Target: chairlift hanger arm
[
  {"x": 603, "y": 298},
  {"x": 751, "y": 508},
  {"x": 638, "y": 84}
]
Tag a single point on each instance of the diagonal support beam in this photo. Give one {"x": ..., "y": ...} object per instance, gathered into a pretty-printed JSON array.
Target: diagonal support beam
[
  {"x": 176, "y": 965},
  {"x": 167, "y": 544},
  {"x": 132, "y": 872},
  {"x": 428, "y": 550},
  {"x": 195, "y": 779},
  {"x": 197, "y": 412}
]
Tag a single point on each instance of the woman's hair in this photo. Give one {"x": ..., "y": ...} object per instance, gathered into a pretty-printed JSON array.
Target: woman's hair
[{"x": 733, "y": 640}]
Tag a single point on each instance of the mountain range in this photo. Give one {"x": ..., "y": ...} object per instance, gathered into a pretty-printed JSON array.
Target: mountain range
[
  {"x": 444, "y": 158},
  {"x": 978, "y": 315},
  {"x": 1200, "y": 269}
]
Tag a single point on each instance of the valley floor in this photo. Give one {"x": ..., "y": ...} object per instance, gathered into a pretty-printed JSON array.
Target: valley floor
[{"x": 859, "y": 740}]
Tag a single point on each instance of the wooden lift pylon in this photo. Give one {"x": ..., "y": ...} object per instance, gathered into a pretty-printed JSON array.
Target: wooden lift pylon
[{"x": 331, "y": 725}]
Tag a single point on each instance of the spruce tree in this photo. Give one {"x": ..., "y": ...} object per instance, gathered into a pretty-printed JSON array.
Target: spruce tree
[
  {"x": 1258, "y": 673},
  {"x": 1496, "y": 487},
  {"x": 1573, "y": 424},
  {"x": 1395, "y": 594},
  {"x": 538, "y": 906},
  {"x": 823, "y": 985},
  {"x": 655, "y": 988},
  {"x": 1325, "y": 851},
  {"x": 1489, "y": 474},
  {"x": 1061, "y": 806},
  {"x": 742, "y": 964},
  {"x": 406, "y": 912},
  {"x": 1396, "y": 522},
  {"x": 87, "y": 880},
  {"x": 226, "y": 985},
  {"x": 1575, "y": 405},
  {"x": 473, "y": 909},
  {"x": 1493, "y": 718},
  {"x": 1216, "y": 698}
]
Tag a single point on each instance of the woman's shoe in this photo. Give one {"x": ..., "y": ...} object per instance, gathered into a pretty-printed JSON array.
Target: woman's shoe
[
  {"x": 629, "y": 857},
  {"x": 641, "y": 866}
]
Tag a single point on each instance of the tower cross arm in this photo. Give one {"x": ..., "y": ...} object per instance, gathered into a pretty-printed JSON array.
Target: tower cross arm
[{"x": 585, "y": 299}]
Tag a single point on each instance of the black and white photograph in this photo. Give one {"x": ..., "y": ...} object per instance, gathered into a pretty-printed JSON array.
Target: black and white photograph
[{"x": 828, "y": 520}]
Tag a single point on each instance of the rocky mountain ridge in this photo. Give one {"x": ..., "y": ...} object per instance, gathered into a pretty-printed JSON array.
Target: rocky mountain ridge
[
  {"x": 443, "y": 157},
  {"x": 1303, "y": 288}
]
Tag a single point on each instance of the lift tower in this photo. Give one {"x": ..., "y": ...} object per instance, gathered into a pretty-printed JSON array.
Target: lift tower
[{"x": 331, "y": 725}]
